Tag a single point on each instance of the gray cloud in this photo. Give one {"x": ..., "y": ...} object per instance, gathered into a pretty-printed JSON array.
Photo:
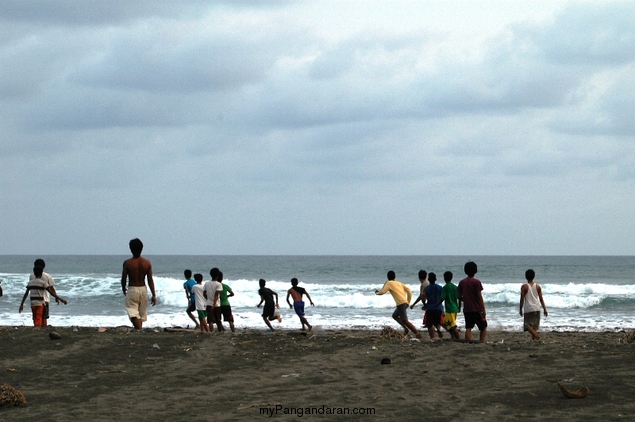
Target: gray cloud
[
  {"x": 91, "y": 12},
  {"x": 277, "y": 137}
]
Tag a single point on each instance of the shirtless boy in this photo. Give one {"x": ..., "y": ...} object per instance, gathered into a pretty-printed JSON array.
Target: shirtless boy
[
  {"x": 135, "y": 271},
  {"x": 298, "y": 304}
]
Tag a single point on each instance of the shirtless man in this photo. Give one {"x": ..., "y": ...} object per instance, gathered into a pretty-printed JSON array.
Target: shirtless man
[
  {"x": 298, "y": 304},
  {"x": 135, "y": 271}
]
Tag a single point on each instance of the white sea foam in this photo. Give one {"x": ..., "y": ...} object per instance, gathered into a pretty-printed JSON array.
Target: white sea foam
[{"x": 344, "y": 297}]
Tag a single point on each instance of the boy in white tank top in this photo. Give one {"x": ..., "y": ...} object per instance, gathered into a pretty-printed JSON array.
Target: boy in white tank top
[{"x": 530, "y": 303}]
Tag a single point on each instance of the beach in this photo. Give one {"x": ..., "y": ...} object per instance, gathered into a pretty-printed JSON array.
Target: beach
[{"x": 182, "y": 375}]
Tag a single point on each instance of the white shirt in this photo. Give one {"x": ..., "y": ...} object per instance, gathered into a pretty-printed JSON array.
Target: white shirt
[
  {"x": 211, "y": 287},
  {"x": 532, "y": 300},
  {"x": 199, "y": 298}
]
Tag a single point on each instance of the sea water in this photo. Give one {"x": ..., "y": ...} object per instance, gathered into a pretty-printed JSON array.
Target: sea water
[{"x": 582, "y": 293}]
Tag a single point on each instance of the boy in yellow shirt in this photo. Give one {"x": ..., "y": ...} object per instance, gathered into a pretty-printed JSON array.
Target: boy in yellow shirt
[{"x": 402, "y": 296}]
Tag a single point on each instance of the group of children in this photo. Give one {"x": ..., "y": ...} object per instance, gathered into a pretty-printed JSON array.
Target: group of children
[
  {"x": 434, "y": 297},
  {"x": 211, "y": 301},
  {"x": 467, "y": 294}
]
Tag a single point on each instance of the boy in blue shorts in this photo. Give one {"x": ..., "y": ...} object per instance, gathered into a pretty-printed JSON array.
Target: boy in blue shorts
[{"x": 298, "y": 304}]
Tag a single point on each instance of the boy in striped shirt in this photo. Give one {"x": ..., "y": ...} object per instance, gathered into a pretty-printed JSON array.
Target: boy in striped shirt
[{"x": 37, "y": 288}]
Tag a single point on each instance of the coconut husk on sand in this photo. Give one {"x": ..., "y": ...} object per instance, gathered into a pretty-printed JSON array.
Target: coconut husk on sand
[
  {"x": 11, "y": 396},
  {"x": 389, "y": 332},
  {"x": 628, "y": 337}
]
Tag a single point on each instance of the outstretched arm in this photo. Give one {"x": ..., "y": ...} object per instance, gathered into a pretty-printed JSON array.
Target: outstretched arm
[
  {"x": 53, "y": 293},
  {"x": 383, "y": 289},
  {"x": 289, "y": 294},
  {"x": 276, "y": 295},
  {"x": 262, "y": 299},
  {"x": 310, "y": 301},
  {"x": 424, "y": 299},
  {"x": 416, "y": 301}
]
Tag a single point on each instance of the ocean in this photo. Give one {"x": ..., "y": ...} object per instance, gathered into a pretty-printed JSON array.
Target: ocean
[{"x": 582, "y": 293}]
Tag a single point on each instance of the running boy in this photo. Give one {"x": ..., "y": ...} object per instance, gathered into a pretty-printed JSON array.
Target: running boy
[
  {"x": 433, "y": 307},
  {"x": 298, "y": 304},
  {"x": 200, "y": 302},
  {"x": 212, "y": 293},
  {"x": 423, "y": 274},
  {"x": 269, "y": 311},
  {"x": 450, "y": 295},
  {"x": 191, "y": 300},
  {"x": 225, "y": 307},
  {"x": 402, "y": 296}
]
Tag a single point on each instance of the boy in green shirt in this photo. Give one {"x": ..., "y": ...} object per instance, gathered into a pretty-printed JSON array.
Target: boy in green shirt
[
  {"x": 225, "y": 307},
  {"x": 450, "y": 296}
]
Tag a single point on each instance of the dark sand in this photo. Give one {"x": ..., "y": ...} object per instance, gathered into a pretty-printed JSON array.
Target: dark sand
[{"x": 128, "y": 375}]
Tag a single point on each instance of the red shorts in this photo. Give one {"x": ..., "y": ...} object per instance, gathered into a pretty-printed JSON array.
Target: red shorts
[{"x": 38, "y": 315}]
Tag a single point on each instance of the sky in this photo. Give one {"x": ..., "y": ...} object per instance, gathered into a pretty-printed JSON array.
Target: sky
[{"x": 322, "y": 127}]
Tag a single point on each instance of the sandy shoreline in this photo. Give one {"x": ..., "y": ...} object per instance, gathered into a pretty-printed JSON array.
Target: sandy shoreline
[{"x": 183, "y": 375}]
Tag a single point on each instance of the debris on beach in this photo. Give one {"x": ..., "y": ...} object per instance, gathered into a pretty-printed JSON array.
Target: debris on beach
[
  {"x": 578, "y": 394},
  {"x": 10, "y": 396},
  {"x": 389, "y": 332},
  {"x": 54, "y": 335},
  {"x": 628, "y": 337}
]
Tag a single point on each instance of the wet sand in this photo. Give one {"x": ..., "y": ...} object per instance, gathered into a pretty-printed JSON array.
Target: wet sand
[{"x": 123, "y": 374}]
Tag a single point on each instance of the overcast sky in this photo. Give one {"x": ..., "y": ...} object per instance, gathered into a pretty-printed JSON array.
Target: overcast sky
[{"x": 343, "y": 127}]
